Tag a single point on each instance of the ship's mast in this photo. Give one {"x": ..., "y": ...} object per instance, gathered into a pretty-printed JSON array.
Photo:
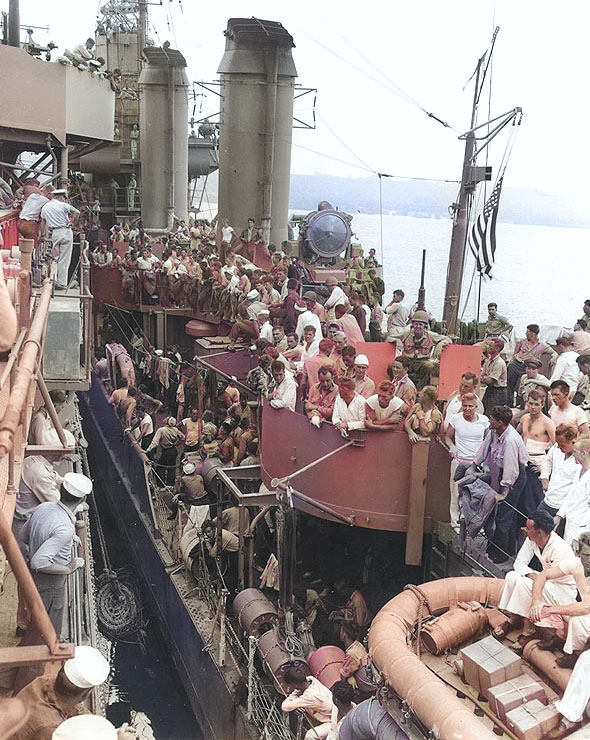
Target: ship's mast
[{"x": 461, "y": 219}]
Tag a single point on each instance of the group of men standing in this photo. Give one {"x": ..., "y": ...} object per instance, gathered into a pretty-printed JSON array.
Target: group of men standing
[{"x": 47, "y": 211}]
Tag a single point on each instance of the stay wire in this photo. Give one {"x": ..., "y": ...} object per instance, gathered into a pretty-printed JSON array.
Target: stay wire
[{"x": 390, "y": 86}]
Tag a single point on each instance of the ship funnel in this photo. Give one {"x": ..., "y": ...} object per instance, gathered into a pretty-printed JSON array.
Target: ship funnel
[
  {"x": 257, "y": 84},
  {"x": 163, "y": 115}
]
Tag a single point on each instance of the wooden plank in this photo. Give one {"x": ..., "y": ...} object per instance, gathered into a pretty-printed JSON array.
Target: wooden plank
[
  {"x": 32, "y": 654},
  {"x": 416, "y": 502}
]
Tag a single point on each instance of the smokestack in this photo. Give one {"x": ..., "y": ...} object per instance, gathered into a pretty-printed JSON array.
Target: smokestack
[{"x": 13, "y": 23}]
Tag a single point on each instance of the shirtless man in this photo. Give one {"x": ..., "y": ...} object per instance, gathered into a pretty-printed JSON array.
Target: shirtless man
[
  {"x": 384, "y": 410},
  {"x": 538, "y": 431}
]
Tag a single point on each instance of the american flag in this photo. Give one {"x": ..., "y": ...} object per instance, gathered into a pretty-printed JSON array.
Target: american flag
[{"x": 482, "y": 237}]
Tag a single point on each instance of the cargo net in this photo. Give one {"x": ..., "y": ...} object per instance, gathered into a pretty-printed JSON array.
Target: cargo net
[{"x": 118, "y": 607}]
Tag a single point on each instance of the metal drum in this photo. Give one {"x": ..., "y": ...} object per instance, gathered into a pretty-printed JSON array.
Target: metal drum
[
  {"x": 325, "y": 664},
  {"x": 453, "y": 628},
  {"x": 256, "y": 614},
  {"x": 277, "y": 659}
]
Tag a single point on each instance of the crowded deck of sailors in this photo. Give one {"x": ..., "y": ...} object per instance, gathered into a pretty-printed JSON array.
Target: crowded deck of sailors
[{"x": 520, "y": 428}]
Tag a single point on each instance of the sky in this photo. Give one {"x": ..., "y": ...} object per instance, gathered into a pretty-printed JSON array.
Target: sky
[{"x": 376, "y": 64}]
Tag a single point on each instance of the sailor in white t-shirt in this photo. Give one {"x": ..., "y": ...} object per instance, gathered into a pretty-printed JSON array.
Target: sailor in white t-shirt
[
  {"x": 464, "y": 434},
  {"x": 384, "y": 410}
]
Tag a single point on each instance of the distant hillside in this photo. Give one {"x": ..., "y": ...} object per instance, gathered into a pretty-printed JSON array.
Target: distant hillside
[{"x": 429, "y": 200}]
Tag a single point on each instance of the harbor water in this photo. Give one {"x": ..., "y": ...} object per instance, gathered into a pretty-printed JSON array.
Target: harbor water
[{"x": 540, "y": 275}]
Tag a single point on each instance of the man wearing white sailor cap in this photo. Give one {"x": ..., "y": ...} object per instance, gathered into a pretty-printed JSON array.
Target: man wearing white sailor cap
[
  {"x": 51, "y": 699},
  {"x": 92, "y": 727},
  {"x": 47, "y": 541}
]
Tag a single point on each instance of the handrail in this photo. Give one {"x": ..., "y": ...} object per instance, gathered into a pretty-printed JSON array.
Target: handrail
[
  {"x": 24, "y": 375},
  {"x": 25, "y": 580}
]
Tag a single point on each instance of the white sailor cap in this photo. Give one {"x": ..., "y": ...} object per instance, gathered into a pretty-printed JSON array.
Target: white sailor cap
[
  {"x": 361, "y": 360},
  {"x": 77, "y": 484},
  {"x": 252, "y": 294},
  {"x": 52, "y": 438},
  {"x": 87, "y": 726},
  {"x": 264, "y": 312},
  {"x": 61, "y": 191},
  {"x": 188, "y": 467},
  {"x": 87, "y": 668}
]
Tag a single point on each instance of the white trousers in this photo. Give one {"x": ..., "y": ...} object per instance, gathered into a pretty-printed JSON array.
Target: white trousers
[
  {"x": 577, "y": 692},
  {"x": 518, "y": 590},
  {"x": 63, "y": 241}
]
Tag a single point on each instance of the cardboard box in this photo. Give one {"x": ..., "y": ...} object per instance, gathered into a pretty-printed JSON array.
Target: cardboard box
[
  {"x": 487, "y": 663},
  {"x": 531, "y": 721},
  {"x": 510, "y": 694}
]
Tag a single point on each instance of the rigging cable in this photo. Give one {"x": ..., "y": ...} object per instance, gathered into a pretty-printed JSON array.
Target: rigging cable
[{"x": 390, "y": 86}]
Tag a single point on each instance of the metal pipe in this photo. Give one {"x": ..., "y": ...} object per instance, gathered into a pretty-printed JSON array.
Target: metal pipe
[
  {"x": 275, "y": 483},
  {"x": 24, "y": 377},
  {"x": 51, "y": 410},
  {"x": 63, "y": 174},
  {"x": 13, "y": 358},
  {"x": 26, "y": 583},
  {"x": 271, "y": 59}
]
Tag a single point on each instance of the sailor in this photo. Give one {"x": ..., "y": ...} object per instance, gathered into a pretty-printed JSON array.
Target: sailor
[
  {"x": 319, "y": 406},
  {"x": 349, "y": 408},
  {"x": 307, "y": 693},
  {"x": 464, "y": 435},
  {"x": 503, "y": 448},
  {"x": 571, "y": 620},
  {"x": 39, "y": 482},
  {"x": 191, "y": 489},
  {"x": 264, "y": 325},
  {"x": 164, "y": 445},
  {"x": 362, "y": 383},
  {"x": 337, "y": 297},
  {"x": 312, "y": 315},
  {"x": 493, "y": 375},
  {"x": 50, "y": 699},
  {"x": 30, "y": 214},
  {"x": 531, "y": 380},
  {"x": 47, "y": 541},
  {"x": 566, "y": 367},
  {"x": 424, "y": 419},
  {"x": 496, "y": 325},
  {"x": 134, "y": 140},
  {"x": 397, "y": 315},
  {"x": 525, "y": 349},
  {"x": 385, "y": 411},
  {"x": 284, "y": 394},
  {"x": 56, "y": 215},
  {"x": 519, "y": 584},
  {"x": 468, "y": 384},
  {"x": 422, "y": 347},
  {"x": 563, "y": 410},
  {"x": 538, "y": 431},
  {"x": 403, "y": 386},
  {"x": 93, "y": 727},
  {"x": 349, "y": 325}
]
